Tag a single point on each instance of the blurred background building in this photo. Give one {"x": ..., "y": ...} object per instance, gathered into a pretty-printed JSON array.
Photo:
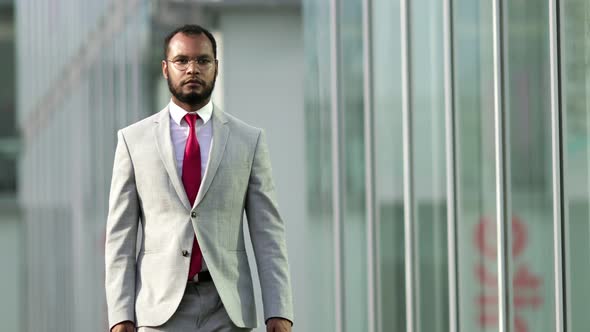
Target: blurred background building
[{"x": 407, "y": 137}]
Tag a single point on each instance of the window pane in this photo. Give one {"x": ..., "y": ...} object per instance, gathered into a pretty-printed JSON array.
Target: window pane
[
  {"x": 320, "y": 311},
  {"x": 388, "y": 165},
  {"x": 429, "y": 165},
  {"x": 352, "y": 163},
  {"x": 575, "y": 29},
  {"x": 530, "y": 187},
  {"x": 474, "y": 112}
]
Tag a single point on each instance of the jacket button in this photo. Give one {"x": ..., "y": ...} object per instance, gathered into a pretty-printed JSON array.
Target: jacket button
[
  {"x": 185, "y": 253},
  {"x": 193, "y": 214}
]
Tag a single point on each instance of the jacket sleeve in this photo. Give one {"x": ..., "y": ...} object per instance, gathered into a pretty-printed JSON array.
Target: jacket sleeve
[
  {"x": 121, "y": 237},
  {"x": 267, "y": 232}
]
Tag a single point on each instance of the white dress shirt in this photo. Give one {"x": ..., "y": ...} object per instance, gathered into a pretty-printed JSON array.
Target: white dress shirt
[{"x": 179, "y": 134}]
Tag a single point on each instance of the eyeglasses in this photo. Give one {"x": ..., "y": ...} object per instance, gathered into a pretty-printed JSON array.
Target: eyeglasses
[{"x": 182, "y": 63}]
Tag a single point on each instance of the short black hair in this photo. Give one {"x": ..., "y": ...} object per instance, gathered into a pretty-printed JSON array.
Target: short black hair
[{"x": 191, "y": 30}]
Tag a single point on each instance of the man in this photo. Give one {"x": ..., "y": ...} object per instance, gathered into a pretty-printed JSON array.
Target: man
[{"x": 184, "y": 177}]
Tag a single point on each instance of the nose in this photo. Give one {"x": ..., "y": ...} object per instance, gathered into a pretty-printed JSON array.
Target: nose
[{"x": 192, "y": 67}]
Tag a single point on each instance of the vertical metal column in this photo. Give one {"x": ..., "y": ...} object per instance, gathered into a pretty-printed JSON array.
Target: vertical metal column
[
  {"x": 557, "y": 163},
  {"x": 135, "y": 68},
  {"x": 336, "y": 195},
  {"x": 451, "y": 164},
  {"x": 369, "y": 166},
  {"x": 502, "y": 201},
  {"x": 408, "y": 166}
]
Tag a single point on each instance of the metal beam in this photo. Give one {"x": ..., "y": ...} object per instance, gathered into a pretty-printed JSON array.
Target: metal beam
[
  {"x": 501, "y": 170},
  {"x": 451, "y": 165},
  {"x": 87, "y": 54},
  {"x": 369, "y": 167},
  {"x": 336, "y": 172},
  {"x": 408, "y": 184},
  {"x": 557, "y": 164}
]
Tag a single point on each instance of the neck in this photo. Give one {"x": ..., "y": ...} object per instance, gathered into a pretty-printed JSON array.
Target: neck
[{"x": 191, "y": 107}]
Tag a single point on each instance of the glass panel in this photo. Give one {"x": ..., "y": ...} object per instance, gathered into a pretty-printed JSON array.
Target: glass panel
[
  {"x": 531, "y": 194},
  {"x": 8, "y": 127},
  {"x": 575, "y": 28},
  {"x": 388, "y": 166},
  {"x": 352, "y": 163},
  {"x": 12, "y": 244},
  {"x": 11, "y": 257},
  {"x": 319, "y": 313},
  {"x": 64, "y": 213},
  {"x": 427, "y": 102},
  {"x": 476, "y": 244}
]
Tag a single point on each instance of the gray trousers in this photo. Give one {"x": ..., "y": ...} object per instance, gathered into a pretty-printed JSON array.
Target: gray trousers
[{"x": 200, "y": 310}]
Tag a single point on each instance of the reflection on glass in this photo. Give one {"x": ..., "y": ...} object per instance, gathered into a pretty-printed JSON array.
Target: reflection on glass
[
  {"x": 64, "y": 182},
  {"x": 529, "y": 149},
  {"x": 320, "y": 313},
  {"x": 352, "y": 162},
  {"x": 429, "y": 167},
  {"x": 476, "y": 234},
  {"x": 575, "y": 29},
  {"x": 388, "y": 166},
  {"x": 8, "y": 126}
]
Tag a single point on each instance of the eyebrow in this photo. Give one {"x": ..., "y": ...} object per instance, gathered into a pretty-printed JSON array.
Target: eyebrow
[{"x": 202, "y": 56}]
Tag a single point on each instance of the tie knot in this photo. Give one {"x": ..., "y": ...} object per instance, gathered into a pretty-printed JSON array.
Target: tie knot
[{"x": 190, "y": 118}]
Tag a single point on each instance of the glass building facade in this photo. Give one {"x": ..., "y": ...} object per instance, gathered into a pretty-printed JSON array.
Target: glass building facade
[
  {"x": 448, "y": 159},
  {"x": 81, "y": 77},
  {"x": 445, "y": 151},
  {"x": 11, "y": 256}
]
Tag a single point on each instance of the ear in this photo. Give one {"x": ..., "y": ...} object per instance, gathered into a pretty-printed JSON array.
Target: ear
[
  {"x": 165, "y": 69},
  {"x": 216, "y": 67}
]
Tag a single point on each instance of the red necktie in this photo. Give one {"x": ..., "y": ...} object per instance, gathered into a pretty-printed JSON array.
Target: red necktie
[{"x": 191, "y": 178}]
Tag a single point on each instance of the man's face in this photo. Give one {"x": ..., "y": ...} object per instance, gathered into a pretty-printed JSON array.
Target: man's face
[{"x": 192, "y": 85}]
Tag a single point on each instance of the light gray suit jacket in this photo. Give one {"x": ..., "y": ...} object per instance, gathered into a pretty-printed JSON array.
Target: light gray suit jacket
[{"x": 147, "y": 192}]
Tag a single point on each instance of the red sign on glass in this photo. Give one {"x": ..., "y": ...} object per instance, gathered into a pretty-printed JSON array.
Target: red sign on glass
[{"x": 526, "y": 285}]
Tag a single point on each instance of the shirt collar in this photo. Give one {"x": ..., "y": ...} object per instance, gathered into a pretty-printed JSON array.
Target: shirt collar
[{"x": 177, "y": 112}]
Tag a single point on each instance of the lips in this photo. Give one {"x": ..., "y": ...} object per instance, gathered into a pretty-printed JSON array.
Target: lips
[{"x": 194, "y": 81}]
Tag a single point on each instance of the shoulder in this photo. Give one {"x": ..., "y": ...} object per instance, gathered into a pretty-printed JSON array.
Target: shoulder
[
  {"x": 144, "y": 125},
  {"x": 238, "y": 126}
]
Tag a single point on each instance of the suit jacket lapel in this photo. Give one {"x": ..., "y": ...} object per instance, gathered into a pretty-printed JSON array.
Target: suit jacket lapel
[
  {"x": 220, "y": 135},
  {"x": 164, "y": 143}
]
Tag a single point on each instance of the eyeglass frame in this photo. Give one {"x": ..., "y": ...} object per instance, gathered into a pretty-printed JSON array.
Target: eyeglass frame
[{"x": 183, "y": 67}]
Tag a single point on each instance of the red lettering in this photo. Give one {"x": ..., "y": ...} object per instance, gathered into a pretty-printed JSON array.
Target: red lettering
[{"x": 526, "y": 285}]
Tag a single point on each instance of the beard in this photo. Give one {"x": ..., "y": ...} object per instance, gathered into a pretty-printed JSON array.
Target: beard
[{"x": 191, "y": 98}]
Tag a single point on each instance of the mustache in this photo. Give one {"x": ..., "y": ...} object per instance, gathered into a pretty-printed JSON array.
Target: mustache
[{"x": 193, "y": 80}]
